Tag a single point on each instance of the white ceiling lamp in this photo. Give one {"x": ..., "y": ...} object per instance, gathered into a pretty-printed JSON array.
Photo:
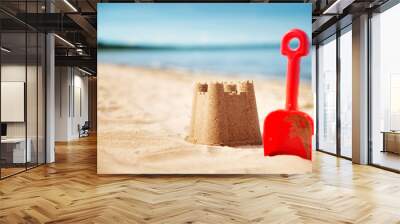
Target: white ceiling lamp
[
  {"x": 70, "y": 5},
  {"x": 65, "y": 41},
  {"x": 5, "y": 50},
  {"x": 337, "y": 7},
  {"x": 84, "y": 71}
]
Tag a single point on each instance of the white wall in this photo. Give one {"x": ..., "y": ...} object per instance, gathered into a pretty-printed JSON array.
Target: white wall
[
  {"x": 70, "y": 83},
  {"x": 62, "y": 82},
  {"x": 12, "y": 73},
  {"x": 33, "y": 126},
  {"x": 13, "y": 101},
  {"x": 79, "y": 110}
]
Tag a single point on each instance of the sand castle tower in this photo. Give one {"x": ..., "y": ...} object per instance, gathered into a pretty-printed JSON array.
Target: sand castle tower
[{"x": 224, "y": 114}]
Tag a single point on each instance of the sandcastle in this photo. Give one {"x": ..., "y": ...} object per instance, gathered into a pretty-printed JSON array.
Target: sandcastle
[{"x": 224, "y": 114}]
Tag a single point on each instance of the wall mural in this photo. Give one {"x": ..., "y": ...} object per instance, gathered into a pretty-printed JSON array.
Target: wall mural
[{"x": 185, "y": 89}]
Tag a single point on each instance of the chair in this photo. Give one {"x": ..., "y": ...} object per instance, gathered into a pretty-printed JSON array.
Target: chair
[{"x": 84, "y": 130}]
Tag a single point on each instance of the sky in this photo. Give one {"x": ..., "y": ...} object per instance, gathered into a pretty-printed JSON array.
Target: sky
[{"x": 194, "y": 24}]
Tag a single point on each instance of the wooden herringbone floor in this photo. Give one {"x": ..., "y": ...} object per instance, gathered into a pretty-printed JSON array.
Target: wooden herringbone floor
[{"x": 70, "y": 191}]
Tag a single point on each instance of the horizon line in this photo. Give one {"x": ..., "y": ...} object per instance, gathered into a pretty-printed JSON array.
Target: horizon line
[{"x": 108, "y": 45}]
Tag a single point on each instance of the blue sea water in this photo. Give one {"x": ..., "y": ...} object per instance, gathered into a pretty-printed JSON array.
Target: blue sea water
[{"x": 264, "y": 62}]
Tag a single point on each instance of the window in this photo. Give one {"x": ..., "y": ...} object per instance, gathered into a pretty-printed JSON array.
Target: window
[
  {"x": 22, "y": 88},
  {"x": 346, "y": 93},
  {"x": 385, "y": 89},
  {"x": 327, "y": 96}
]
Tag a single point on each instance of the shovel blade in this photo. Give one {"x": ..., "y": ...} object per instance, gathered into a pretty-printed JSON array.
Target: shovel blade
[{"x": 288, "y": 132}]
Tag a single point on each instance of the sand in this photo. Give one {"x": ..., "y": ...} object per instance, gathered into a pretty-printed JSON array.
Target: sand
[
  {"x": 144, "y": 117},
  {"x": 224, "y": 114}
]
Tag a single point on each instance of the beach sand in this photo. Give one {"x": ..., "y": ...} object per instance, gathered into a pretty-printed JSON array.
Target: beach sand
[{"x": 144, "y": 117}]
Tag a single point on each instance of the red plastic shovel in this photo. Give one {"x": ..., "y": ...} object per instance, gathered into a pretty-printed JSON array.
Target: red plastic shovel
[{"x": 289, "y": 131}]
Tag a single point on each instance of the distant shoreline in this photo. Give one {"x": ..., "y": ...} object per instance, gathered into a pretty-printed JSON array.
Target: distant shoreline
[
  {"x": 238, "y": 60},
  {"x": 272, "y": 77},
  {"x": 109, "y": 46}
]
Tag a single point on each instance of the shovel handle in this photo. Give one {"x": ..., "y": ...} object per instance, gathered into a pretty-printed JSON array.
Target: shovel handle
[{"x": 293, "y": 66}]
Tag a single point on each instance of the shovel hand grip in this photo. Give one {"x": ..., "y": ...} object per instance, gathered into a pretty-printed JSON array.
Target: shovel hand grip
[{"x": 293, "y": 66}]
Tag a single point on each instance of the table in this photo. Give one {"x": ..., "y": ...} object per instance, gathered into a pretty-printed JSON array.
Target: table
[
  {"x": 391, "y": 141},
  {"x": 15, "y": 148}
]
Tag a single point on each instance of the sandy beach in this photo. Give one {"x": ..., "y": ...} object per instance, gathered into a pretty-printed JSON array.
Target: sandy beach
[{"x": 144, "y": 117}]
